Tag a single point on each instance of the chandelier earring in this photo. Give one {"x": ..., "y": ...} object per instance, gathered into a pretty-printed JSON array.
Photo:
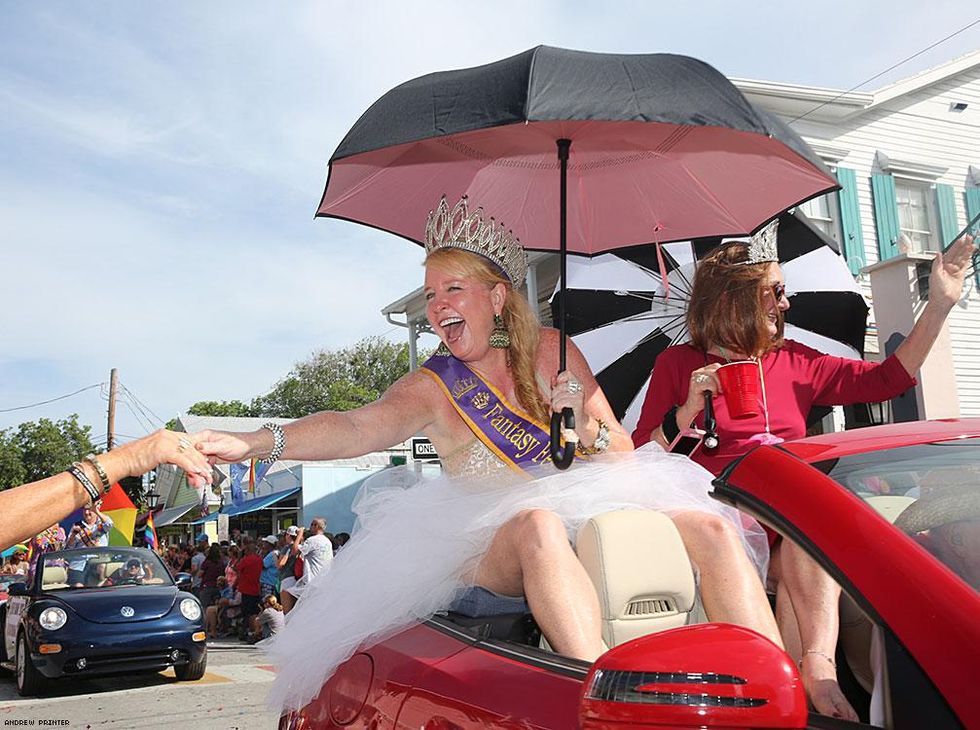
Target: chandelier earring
[{"x": 499, "y": 335}]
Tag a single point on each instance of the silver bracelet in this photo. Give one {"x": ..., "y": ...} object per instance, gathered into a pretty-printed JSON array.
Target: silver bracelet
[
  {"x": 278, "y": 443},
  {"x": 602, "y": 439},
  {"x": 81, "y": 477},
  {"x": 601, "y": 442}
]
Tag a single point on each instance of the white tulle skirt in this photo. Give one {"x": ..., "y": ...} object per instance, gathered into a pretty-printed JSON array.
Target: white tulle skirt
[{"x": 415, "y": 540}]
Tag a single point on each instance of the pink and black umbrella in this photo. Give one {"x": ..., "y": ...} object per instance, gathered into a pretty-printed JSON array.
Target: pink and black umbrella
[{"x": 574, "y": 151}]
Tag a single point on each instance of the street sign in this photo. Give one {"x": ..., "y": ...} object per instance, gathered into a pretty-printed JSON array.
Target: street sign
[{"x": 423, "y": 450}]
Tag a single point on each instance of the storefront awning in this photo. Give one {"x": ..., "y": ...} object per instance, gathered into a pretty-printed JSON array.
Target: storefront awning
[
  {"x": 250, "y": 505},
  {"x": 253, "y": 505}
]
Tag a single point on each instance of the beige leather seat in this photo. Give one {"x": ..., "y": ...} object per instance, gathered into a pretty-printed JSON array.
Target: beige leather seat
[
  {"x": 641, "y": 571},
  {"x": 855, "y": 627},
  {"x": 54, "y": 577}
]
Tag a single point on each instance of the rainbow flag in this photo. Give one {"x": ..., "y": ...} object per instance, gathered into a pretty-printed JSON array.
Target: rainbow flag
[
  {"x": 256, "y": 473},
  {"x": 150, "y": 533}
]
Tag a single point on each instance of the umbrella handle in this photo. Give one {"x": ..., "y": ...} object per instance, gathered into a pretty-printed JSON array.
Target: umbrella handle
[
  {"x": 710, "y": 424},
  {"x": 562, "y": 455}
]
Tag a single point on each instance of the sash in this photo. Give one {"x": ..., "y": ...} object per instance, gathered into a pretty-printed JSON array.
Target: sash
[{"x": 520, "y": 441}]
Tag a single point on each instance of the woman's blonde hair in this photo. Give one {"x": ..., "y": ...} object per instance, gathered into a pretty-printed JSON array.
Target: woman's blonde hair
[
  {"x": 519, "y": 319},
  {"x": 728, "y": 306}
]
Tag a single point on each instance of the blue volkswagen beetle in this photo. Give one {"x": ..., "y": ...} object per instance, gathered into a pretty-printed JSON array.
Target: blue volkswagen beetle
[{"x": 98, "y": 611}]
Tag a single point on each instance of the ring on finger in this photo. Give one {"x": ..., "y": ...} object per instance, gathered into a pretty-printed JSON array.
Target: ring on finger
[
  {"x": 574, "y": 387},
  {"x": 183, "y": 444},
  {"x": 701, "y": 379}
]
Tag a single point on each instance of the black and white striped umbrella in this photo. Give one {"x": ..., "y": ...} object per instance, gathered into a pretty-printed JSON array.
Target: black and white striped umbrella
[{"x": 617, "y": 314}]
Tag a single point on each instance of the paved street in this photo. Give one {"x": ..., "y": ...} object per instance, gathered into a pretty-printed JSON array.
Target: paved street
[{"x": 231, "y": 695}]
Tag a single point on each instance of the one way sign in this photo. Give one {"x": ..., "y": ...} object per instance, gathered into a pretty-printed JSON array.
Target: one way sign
[{"x": 423, "y": 450}]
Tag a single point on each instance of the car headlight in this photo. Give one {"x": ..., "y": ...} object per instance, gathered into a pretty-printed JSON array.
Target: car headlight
[
  {"x": 52, "y": 618},
  {"x": 191, "y": 609}
]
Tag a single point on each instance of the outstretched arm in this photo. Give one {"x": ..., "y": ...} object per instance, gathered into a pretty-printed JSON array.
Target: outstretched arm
[
  {"x": 30, "y": 508},
  {"x": 405, "y": 409}
]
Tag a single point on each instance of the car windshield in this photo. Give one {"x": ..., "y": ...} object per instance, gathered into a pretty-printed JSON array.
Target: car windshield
[
  {"x": 101, "y": 568},
  {"x": 929, "y": 491}
]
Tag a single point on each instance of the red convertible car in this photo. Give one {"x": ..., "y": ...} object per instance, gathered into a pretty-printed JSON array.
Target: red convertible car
[{"x": 892, "y": 512}]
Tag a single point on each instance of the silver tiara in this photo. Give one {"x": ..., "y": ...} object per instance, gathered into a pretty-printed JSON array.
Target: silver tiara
[
  {"x": 458, "y": 228},
  {"x": 762, "y": 246}
]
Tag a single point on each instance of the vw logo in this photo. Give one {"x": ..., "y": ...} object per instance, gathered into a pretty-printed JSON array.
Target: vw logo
[{"x": 127, "y": 611}]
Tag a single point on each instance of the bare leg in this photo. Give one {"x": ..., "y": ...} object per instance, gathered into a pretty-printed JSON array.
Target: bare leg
[
  {"x": 211, "y": 621},
  {"x": 730, "y": 587},
  {"x": 531, "y": 555},
  {"x": 813, "y": 601},
  {"x": 288, "y": 601}
]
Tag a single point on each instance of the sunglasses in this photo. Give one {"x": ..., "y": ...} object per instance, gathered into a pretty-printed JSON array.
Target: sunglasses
[{"x": 779, "y": 291}]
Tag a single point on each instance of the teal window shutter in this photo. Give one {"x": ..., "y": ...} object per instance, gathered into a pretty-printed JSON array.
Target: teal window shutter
[
  {"x": 946, "y": 203},
  {"x": 973, "y": 210},
  {"x": 886, "y": 215},
  {"x": 850, "y": 220},
  {"x": 972, "y": 204}
]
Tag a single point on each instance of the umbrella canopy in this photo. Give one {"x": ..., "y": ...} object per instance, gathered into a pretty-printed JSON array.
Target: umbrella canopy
[
  {"x": 618, "y": 315},
  {"x": 574, "y": 151},
  {"x": 18, "y": 548},
  {"x": 662, "y": 146}
]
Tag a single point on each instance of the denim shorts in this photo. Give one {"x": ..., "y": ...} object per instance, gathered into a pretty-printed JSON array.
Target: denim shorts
[{"x": 477, "y": 601}]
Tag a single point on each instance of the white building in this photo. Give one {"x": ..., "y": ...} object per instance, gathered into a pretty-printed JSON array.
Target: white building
[{"x": 908, "y": 159}]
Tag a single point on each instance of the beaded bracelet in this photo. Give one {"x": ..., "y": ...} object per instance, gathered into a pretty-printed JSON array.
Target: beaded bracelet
[
  {"x": 278, "y": 443},
  {"x": 103, "y": 477},
  {"x": 81, "y": 477}
]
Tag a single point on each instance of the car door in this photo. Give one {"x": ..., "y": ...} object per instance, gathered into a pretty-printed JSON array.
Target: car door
[{"x": 928, "y": 637}]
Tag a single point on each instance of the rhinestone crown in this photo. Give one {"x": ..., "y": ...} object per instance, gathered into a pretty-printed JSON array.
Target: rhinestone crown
[
  {"x": 458, "y": 228},
  {"x": 762, "y": 246}
]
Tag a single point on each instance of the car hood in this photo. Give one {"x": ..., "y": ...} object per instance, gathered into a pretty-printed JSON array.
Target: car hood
[{"x": 110, "y": 605}]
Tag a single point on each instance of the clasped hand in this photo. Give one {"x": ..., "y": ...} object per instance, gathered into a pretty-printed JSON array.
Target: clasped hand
[{"x": 567, "y": 392}]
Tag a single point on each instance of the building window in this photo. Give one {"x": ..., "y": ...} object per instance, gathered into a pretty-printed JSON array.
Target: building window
[
  {"x": 917, "y": 217},
  {"x": 824, "y": 213}
]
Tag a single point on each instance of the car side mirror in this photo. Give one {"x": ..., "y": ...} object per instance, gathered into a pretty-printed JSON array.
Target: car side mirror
[
  {"x": 709, "y": 675},
  {"x": 17, "y": 589},
  {"x": 183, "y": 582}
]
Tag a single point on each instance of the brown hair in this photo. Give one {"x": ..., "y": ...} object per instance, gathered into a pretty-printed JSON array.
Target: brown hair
[
  {"x": 519, "y": 319},
  {"x": 728, "y": 307}
]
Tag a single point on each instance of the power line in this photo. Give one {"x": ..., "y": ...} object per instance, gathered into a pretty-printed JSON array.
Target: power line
[
  {"x": 141, "y": 419},
  {"x": 144, "y": 418},
  {"x": 51, "y": 400},
  {"x": 890, "y": 68},
  {"x": 143, "y": 405}
]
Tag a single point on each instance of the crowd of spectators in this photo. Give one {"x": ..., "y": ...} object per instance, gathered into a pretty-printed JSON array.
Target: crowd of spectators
[{"x": 248, "y": 584}]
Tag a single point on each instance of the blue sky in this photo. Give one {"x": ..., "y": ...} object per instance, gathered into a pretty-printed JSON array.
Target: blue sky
[{"x": 160, "y": 164}]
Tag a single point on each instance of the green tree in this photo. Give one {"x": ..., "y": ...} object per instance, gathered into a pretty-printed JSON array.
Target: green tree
[
  {"x": 48, "y": 447},
  {"x": 217, "y": 408},
  {"x": 11, "y": 464},
  {"x": 337, "y": 380}
]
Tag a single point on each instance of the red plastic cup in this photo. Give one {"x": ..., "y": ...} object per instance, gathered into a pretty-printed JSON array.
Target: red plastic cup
[{"x": 741, "y": 387}]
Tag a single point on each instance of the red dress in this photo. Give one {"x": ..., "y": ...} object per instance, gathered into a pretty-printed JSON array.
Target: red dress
[{"x": 796, "y": 378}]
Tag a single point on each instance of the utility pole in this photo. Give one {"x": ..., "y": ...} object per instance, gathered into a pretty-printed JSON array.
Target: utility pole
[{"x": 110, "y": 428}]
